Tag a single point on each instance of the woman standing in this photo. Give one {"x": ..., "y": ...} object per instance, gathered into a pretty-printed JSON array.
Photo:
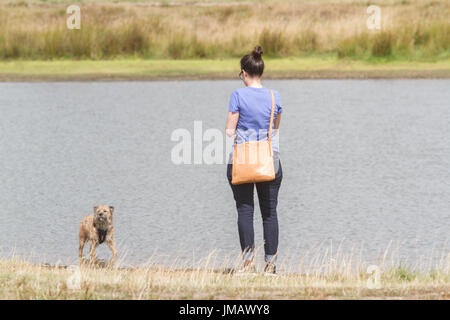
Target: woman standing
[{"x": 249, "y": 117}]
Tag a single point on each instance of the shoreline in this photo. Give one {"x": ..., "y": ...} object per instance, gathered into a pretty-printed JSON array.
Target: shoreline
[
  {"x": 210, "y": 69},
  {"x": 23, "y": 280}
]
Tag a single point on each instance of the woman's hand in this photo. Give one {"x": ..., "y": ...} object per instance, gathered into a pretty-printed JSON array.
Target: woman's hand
[{"x": 232, "y": 121}]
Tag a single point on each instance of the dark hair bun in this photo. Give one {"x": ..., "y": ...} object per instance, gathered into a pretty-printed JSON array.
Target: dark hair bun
[
  {"x": 257, "y": 52},
  {"x": 253, "y": 62}
]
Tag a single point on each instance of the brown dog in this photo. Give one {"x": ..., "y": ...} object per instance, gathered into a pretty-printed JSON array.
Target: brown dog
[{"x": 97, "y": 229}]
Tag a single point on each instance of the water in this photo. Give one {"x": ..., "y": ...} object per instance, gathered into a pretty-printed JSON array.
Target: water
[{"x": 365, "y": 162}]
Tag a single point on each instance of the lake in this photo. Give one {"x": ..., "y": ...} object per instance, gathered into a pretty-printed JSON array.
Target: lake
[{"x": 365, "y": 162}]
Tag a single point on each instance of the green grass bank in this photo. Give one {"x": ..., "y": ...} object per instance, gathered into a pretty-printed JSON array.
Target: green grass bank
[{"x": 192, "y": 69}]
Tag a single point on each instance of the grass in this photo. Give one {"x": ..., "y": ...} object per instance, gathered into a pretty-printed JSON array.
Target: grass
[
  {"x": 322, "y": 273},
  {"x": 22, "y": 280},
  {"x": 416, "y": 30},
  {"x": 287, "y": 68},
  {"x": 147, "y": 40}
]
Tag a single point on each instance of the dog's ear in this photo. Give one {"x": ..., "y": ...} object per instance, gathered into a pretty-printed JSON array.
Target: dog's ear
[
  {"x": 95, "y": 209},
  {"x": 111, "y": 209}
]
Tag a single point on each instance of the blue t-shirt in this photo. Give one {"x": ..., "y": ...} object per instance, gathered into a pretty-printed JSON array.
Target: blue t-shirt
[{"x": 254, "y": 106}]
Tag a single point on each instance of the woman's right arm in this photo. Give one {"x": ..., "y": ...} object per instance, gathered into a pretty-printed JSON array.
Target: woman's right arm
[{"x": 232, "y": 121}]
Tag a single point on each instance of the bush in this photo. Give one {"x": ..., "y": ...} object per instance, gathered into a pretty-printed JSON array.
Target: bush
[
  {"x": 273, "y": 42},
  {"x": 306, "y": 41},
  {"x": 353, "y": 46},
  {"x": 178, "y": 46},
  {"x": 382, "y": 44}
]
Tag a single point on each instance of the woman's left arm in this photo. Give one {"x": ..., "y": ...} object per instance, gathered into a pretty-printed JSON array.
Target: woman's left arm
[{"x": 232, "y": 121}]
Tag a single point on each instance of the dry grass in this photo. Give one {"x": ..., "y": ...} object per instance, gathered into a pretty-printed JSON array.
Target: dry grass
[
  {"x": 323, "y": 273},
  {"x": 417, "y": 30}
]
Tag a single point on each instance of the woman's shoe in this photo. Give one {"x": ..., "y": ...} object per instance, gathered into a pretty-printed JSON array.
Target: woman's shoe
[
  {"x": 270, "y": 269},
  {"x": 247, "y": 268}
]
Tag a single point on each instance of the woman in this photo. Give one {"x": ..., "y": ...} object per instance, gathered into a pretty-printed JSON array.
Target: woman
[{"x": 248, "y": 117}]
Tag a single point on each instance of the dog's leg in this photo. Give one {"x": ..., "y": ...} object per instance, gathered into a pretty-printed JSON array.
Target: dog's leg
[
  {"x": 112, "y": 246},
  {"x": 81, "y": 248},
  {"x": 92, "y": 255}
]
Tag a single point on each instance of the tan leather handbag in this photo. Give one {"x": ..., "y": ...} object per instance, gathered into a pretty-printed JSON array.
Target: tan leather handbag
[{"x": 253, "y": 160}]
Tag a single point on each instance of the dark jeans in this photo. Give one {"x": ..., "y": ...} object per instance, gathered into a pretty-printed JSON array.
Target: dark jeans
[{"x": 268, "y": 200}]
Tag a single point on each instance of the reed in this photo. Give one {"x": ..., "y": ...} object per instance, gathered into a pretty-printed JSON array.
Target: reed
[{"x": 415, "y": 30}]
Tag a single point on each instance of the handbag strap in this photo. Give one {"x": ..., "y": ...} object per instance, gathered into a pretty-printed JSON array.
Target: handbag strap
[
  {"x": 271, "y": 121},
  {"x": 271, "y": 117}
]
